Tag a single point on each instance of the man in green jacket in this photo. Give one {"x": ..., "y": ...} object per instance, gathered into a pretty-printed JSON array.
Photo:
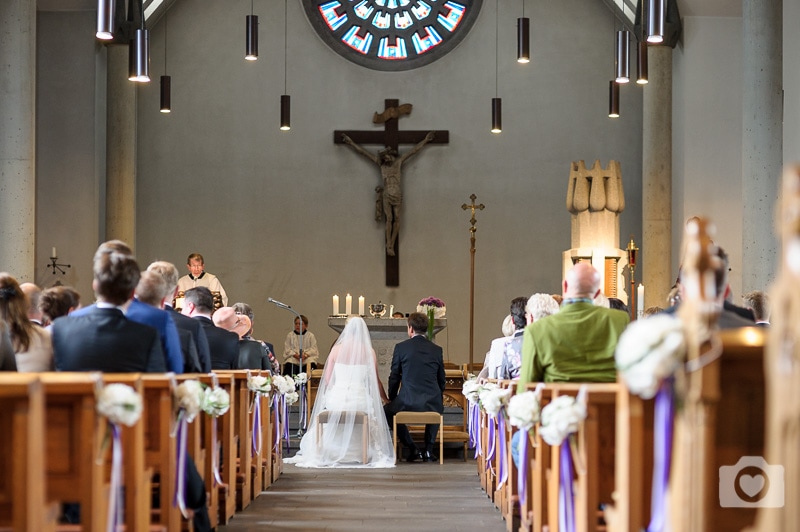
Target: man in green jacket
[{"x": 577, "y": 343}]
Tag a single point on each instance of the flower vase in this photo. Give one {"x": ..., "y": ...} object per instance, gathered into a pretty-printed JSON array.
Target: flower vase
[{"x": 430, "y": 324}]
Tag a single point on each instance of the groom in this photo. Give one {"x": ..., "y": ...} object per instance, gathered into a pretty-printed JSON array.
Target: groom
[{"x": 418, "y": 364}]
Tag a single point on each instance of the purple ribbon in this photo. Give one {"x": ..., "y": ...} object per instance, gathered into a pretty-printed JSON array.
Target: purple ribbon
[
  {"x": 114, "y": 494},
  {"x": 503, "y": 469},
  {"x": 276, "y": 422},
  {"x": 285, "y": 421},
  {"x": 490, "y": 454},
  {"x": 303, "y": 406},
  {"x": 215, "y": 452},
  {"x": 179, "y": 499},
  {"x": 255, "y": 437},
  {"x": 522, "y": 475},
  {"x": 662, "y": 454},
  {"x": 476, "y": 435},
  {"x": 566, "y": 492}
]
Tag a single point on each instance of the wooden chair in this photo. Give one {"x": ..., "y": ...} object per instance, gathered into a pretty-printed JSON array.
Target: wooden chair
[
  {"x": 419, "y": 418},
  {"x": 23, "y": 500},
  {"x": 359, "y": 418}
]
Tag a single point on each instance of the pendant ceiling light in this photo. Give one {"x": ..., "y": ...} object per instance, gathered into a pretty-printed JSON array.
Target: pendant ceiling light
[
  {"x": 166, "y": 81},
  {"x": 613, "y": 99},
  {"x": 497, "y": 104},
  {"x": 139, "y": 51},
  {"x": 523, "y": 37},
  {"x": 641, "y": 63},
  {"x": 623, "y": 74},
  {"x": 286, "y": 100},
  {"x": 251, "y": 28},
  {"x": 655, "y": 21},
  {"x": 105, "y": 19}
]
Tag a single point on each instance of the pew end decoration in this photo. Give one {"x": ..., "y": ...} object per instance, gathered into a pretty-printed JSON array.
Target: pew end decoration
[{"x": 216, "y": 401}]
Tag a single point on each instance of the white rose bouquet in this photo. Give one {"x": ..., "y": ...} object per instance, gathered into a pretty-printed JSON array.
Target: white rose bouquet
[
  {"x": 216, "y": 401},
  {"x": 470, "y": 389},
  {"x": 189, "y": 395},
  {"x": 524, "y": 409},
  {"x": 259, "y": 384},
  {"x": 292, "y": 398},
  {"x": 282, "y": 384},
  {"x": 649, "y": 351},
  {"x": 562, "y": 417},
  {"x": 494, "y": 399},
  {"x": 301, "y": 378},
  {"x": 120, "y": 403}
]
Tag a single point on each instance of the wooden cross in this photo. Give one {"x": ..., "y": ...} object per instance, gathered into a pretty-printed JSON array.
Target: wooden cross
[{"x": 391, "y": 137}]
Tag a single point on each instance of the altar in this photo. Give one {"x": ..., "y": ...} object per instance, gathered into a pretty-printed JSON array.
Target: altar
[{"x": 385, "y": 333}]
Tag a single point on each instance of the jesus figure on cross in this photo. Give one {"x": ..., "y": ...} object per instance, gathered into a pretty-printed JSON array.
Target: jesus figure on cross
[{"x": 390, "y": 196}]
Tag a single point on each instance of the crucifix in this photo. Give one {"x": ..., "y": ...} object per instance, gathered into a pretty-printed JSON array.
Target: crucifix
[
  {"x": 472, "y": 229},
  {"x": 390, "y": 161}
]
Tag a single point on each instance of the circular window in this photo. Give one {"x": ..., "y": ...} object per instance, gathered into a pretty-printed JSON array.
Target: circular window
[{"x": 392, "y": 34}]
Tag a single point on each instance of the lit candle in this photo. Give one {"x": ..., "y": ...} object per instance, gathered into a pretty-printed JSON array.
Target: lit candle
[
  {"x": 348, "y": 304},
  {"x": 53, "y": 252},
  {"x": 360, "y": 305},
  {"x": 640, "y": 301},
  {"x": 335, "y": 305}
]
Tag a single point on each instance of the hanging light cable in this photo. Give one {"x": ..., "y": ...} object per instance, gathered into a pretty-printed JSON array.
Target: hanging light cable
[
  {"x": 166, "y": 81},
  {"x": 655, "y": 21},
  {"x": 139, "y": 52},
  {"x": 286, "y": 100},
  {"x": 523, "y": 37},
  {"x": 497, "y": 109},
  {"x": 105, "y": 19},
  {"x": 251, "y": 29}
]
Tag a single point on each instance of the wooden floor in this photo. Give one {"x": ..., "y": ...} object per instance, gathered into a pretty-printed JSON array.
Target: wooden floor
[{"x": 413, "y": 496}]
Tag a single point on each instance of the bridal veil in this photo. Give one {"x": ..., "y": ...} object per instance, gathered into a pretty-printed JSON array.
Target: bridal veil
[{"x": 348, "y": 427}]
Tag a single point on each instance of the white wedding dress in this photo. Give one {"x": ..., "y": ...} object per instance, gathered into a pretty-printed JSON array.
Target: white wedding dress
[{"x": 348, "y": 403}]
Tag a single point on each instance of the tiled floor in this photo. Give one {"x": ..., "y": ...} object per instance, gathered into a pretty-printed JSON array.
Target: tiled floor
[{"x": 411, "y": 497}]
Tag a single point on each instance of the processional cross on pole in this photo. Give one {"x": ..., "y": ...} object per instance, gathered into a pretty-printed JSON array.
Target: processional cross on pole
[
  {"x": 472, "y": 229},
  {"x": 390, "y": 162}
]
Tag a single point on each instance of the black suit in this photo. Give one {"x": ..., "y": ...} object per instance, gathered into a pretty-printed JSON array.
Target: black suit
[
  {"x": 253, "y": 355},
  {"x": 103, "y": 339},
  {"x": 201, "y": 342},
  {"x": 191, "y": 362},
  {"x": 418, "y": 364},
  {"x": 224, "y": 345}
]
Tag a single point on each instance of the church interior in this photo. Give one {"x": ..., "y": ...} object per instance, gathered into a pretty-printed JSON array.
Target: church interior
[{"x": 291, "y": 214}]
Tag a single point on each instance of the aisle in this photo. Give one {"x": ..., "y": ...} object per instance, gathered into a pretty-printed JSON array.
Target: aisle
[{"x": 412, "y": 496}]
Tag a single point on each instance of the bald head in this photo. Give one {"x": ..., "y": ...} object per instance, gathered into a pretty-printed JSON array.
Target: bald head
[
  {"x": 582, "y": 280},
  {"x": 34, "y": 294}
]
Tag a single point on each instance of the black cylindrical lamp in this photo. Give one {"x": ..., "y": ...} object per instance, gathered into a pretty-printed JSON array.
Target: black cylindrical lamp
[
  {"x": 105, "y": 19},
  {"x": 497, "y": 115},
  {"x": 251, "y": 52},
  {"x": 139, "y": 56},
  {"x": 655, "y": 21},
  {"x": 523, "y": 40},
  {"x": 613, "y": 99},
  {"x": 286, "y": 110},
  {"x": 641, "y": 64},
  {"x": 623, "y": 57},
  {"x": 166, "y": 94}
]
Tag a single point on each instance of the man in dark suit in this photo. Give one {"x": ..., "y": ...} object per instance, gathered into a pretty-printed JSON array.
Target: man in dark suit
[
  {"x": 185, "y": 324},
  {"x": 416, "y": 363},
  {"x": 198, "y": 304},
  {"x": 103, "y": 339}
]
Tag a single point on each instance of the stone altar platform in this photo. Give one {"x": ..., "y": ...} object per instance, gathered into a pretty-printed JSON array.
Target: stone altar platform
[{"x": 385, "y": 334}]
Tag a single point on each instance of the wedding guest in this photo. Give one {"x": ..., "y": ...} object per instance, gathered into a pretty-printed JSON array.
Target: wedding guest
[
  {"x": 398, "y": 314},
  {"x": 58, "y": 301},
  {"x": 146, "y": 308},
  {"x": 252, "y": 353},
  {"x": 292, "y": 352},
  {"x": 246, "y": 310},
  {"x": 578, "y": 342},
  {"x": 7, "y": 359},
  {"x": 418, "y": 366},
  {"x": 198, "y": 276},
  {"x": 198, "y": 304},
  {"x": 617, "y": 303},
  {"x": 34, "y": 294},
  {"x": 649, "y": 311},
  {"x": 758, "y": 302},
  {"x": 494, "y": 357},
  {"x": 185, "y": 324},
  {"x": 33, "y": 349}
]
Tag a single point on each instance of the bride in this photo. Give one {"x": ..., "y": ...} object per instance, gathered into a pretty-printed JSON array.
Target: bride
[{"x": 350, "y": 395}]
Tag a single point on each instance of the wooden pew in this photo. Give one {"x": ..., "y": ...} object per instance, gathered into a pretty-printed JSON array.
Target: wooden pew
[
  {"x": 533, "y": 516},
  {"x": 23, "y": 499}
]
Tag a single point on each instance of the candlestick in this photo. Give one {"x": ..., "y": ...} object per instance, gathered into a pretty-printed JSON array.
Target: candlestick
[
  {"x": 53, "y": 252},
  {"x": 348, "y": 304},
  {"x": 640, "y": 300},
  {"x": 360, "y": 305},
  {"x": 335, "y": 305}
]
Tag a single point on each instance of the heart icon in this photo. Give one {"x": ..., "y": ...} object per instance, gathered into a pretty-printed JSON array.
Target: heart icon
[{"x": 751, "y": 484}]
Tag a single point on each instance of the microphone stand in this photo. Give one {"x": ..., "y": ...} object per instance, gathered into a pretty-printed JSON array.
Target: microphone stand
[{"x": 302, "y": 422}]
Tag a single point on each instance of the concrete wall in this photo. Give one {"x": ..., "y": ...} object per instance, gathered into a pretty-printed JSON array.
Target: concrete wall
[
  {"x": 791, "y": 83},
  {"x": 289, "y": 215}
]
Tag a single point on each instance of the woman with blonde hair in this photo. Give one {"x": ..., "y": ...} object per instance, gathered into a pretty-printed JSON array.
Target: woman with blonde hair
[{"x": 33, "y": 349}]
